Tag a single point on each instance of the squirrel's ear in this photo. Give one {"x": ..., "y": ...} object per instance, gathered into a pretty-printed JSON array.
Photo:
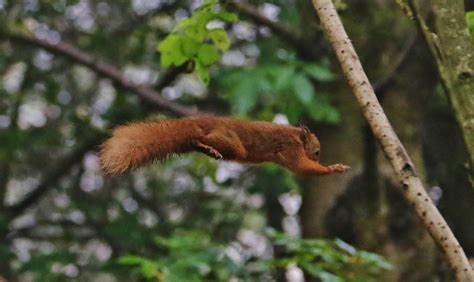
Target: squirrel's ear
[{"x": 304, "y": 133}]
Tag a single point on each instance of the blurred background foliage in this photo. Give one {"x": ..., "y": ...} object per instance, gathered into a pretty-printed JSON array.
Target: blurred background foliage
[{"x": 70, "y": 70}]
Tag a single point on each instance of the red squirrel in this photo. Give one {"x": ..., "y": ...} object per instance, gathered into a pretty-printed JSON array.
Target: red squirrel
[{"x": 222, "y": 138}]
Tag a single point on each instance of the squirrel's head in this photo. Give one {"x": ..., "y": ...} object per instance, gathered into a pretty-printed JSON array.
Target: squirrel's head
[{"x": 310, "y": 143}]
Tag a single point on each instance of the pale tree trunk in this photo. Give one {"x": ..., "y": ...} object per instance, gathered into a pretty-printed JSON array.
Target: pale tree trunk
[{"x": 402, "y": 165}]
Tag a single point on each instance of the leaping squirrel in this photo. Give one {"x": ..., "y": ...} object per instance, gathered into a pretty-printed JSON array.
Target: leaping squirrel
[{"x": 137, "y": 144}]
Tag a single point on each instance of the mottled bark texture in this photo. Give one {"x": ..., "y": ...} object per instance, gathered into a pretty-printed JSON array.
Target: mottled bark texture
[
  {"x": 453, "y": 49},
  {"x": 413, "y": 189}
]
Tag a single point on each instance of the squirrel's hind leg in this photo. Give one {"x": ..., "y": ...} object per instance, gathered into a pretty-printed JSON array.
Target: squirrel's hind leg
[
  {"x": 221, "y": 144},
  {"x": 208, "y": 150}
]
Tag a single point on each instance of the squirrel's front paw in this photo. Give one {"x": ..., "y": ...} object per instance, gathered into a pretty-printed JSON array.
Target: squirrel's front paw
[{"x": 339, "y": 168}]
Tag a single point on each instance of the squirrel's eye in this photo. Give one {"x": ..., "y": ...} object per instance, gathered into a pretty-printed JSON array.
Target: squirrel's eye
[{"x": 316, "y": 153}]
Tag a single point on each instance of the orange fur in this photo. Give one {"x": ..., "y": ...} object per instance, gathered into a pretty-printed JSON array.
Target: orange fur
[{"x": 137, "y": 144}]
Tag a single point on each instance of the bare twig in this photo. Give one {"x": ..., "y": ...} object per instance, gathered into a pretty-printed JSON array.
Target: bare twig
[
  {"x": 413, "y": 189},
  {"x": 104, "y": 69}
]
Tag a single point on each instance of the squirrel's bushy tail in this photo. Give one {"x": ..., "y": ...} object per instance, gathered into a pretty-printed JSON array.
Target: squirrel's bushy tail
[{"x": 137, "y": 144}]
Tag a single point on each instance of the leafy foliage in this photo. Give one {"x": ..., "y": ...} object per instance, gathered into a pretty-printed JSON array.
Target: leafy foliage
[
  {"x": 328, "y": 260},
  {"x": 286, "y": 88},
  {"x": 192, "y": 256},
  {"x": 189, "y": 40},
  {"x": 43, "y": 264},
  {"x": 470, "y": 22}
]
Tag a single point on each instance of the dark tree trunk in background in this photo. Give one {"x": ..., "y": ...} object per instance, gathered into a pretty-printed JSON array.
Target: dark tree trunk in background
[
  {"x": 453, "y": 49},
  {"x": 445, "y": 169}
]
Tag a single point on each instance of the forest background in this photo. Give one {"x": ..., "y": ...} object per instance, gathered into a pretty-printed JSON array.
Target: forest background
[{"x": 70, "y": 71}]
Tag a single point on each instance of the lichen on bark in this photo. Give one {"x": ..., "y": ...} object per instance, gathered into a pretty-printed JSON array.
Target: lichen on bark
[{"x": 453, "y": 49}]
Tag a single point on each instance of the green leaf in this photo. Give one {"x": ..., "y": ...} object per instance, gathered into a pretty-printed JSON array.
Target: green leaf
[
  {"x": 186, "y": 42},
  {"x": 185, "y": 242},
  {"x": 189, "y": 46},
  {"x": 149, "y": 269},
  {"x": 319, "y": 72},
  {"x": 210, "y": 2},
  {"x": 317, "y": 271},
  {"x": 345, "y": 246},
  {"x": 303, "y": 89},
  {"x": 322, "y": 110},
  {"x": 184, "y": 24},
  {"x": 293, "y": 110},
  {"x": 227, "y": 16},
  {"x": 207, "y": 54},
  {"x": 245, "y": 96},
  {"x": 371, "y": 258},
  {"x": 470, "y": 22},
  {"x": 171, "y": 51},
  {"x": 202, "y": 72},
  {"x": 283, "y": 77},
  {"x": 198, "y": 32},
  {"x": 131, "y": 260},
  {"x": 220, "y": 38}
]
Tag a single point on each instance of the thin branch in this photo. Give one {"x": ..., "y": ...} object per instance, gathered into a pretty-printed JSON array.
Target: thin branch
[
  {"x": 132, "y": 21},
  {"x": 413, "y": 189},
  {"x": 168, "y": 77},
  {"x": 253, "y": 13},
  {"x": 31, "y": 231},
  {"x": 61, "y": 168},
  {"x": 293, "y": 37},
  {"x": 382, "y": 85},
  {"x": 104, "y": 69}
]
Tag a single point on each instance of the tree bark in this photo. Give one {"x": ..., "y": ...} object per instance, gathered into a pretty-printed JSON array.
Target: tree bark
[
  {"x": 413, "y": 189},
  {"x": 453, "y": 49}
]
